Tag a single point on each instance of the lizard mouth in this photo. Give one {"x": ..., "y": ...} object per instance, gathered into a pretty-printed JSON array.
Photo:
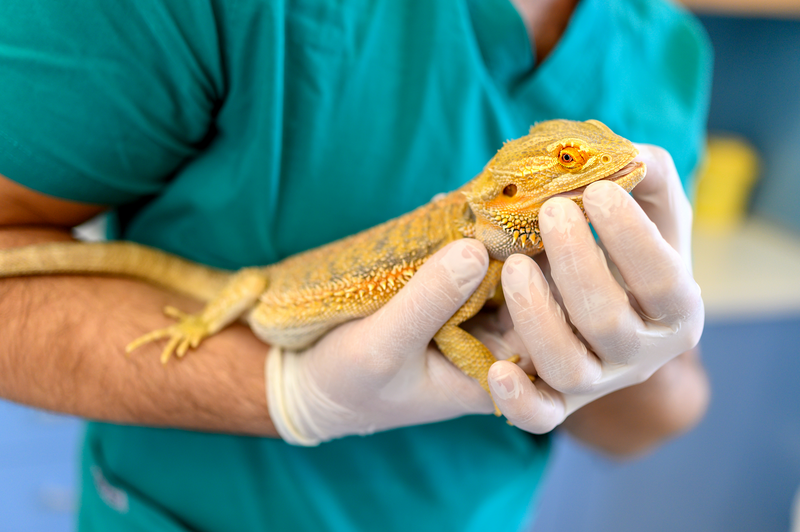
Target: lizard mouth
[{"x": 621, "y": 177}]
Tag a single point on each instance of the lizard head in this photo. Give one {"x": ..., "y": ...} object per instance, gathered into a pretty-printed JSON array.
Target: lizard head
[{"x": 556, "y": 158}]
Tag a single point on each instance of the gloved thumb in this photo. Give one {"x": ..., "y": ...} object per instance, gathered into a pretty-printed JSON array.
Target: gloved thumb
[
  {"x": 407, "y": 323},
  {"x": 661, "y": 196}
]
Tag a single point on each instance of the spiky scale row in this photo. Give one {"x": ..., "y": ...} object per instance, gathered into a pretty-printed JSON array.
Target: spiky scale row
[
  {"x": 379, "y": 283},
  {"x": 520, "y": 229}
]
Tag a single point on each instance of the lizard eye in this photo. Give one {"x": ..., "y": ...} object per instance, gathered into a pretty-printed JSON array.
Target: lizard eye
[
  {"x": 570, "y": 157},
  {"x": 510, "y": 190}
]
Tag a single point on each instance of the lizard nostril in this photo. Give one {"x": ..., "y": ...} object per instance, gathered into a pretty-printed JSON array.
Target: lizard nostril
[
  {"x": 605, "y": 159},
  {"x": 510, "y": 190}
]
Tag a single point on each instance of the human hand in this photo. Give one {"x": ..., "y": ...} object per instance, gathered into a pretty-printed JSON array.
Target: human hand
[
  {"x": 381, "y": 372},
  {"x": 614, "y": 335}
]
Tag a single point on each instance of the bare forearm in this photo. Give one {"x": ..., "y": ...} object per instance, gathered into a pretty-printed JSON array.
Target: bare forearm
[
  {"x": 63, "y": 350},
  {"x": 634, "y": 419}
]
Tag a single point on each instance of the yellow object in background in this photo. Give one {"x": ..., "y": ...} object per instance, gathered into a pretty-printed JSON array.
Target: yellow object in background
[{"x": 725, "y": 183}]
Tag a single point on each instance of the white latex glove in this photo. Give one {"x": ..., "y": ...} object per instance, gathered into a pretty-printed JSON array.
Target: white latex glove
[
  {"x": 382, "y": 372},
  {"x": 615, "y": 335}
]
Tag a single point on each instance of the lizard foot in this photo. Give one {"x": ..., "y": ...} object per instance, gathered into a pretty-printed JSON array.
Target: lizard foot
[
  {"x": 188, "y": 332},
  {"x": 515, "y": 359}
]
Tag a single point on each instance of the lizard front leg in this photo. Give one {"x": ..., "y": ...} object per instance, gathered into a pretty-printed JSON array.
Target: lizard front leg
[
  {"x": 461, "y": 348},
  {"x": 238, "y": 296}
]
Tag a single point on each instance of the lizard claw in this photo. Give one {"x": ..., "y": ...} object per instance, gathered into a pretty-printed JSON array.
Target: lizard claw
[
  {"x": 176, "y": 313},
  {"x": 187, "y": 333},
  {"x": 515, "y": 359}
]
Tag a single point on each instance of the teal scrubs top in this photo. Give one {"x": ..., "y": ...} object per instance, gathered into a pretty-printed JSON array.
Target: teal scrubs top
[{"x": 238, "y": 132}]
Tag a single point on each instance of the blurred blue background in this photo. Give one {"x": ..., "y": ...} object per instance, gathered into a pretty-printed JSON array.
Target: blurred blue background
[
  {"x": 38, "y": 470},
  {"x": 756, "y": 94},
  {"x": 740, "y": 468}
]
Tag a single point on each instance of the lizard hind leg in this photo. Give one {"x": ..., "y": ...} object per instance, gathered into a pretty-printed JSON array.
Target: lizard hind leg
[
  {"x": 468, "y": 353},
  {"x": 238, "y": 296}
]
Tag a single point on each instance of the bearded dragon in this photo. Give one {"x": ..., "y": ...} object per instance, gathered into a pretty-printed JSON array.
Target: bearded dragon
[{"x": 293, "y": 302}]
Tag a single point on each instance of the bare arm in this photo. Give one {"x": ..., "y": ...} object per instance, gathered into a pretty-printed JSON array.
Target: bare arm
[
  {"x": 64, "y": 339},
  {"x": 633, "y": 420}
]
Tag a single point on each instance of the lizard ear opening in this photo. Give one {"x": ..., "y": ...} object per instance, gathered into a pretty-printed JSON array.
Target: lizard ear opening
[{"x": 510, "y": 190}]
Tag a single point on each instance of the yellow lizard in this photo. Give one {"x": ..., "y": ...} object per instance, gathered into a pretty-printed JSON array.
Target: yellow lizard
[{"x": 295, "y": 301}]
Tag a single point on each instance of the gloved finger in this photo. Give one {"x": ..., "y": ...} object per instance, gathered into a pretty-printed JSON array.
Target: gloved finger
[
  {"x": 447, "y": 389},
  {"x": 661, "y": 196},
  {"x": 559, "y": 357},
  {"x": 544, "y": 265},
  {"x": 407, "y": 323},
  {"x": 533, "y": 407},
  {"x": 597, "y": 305},
  {"x": 654, "y": 272}
]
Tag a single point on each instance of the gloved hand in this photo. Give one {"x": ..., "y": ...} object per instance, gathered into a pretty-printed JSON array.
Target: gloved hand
[
  {"x": 615, "y": 333},
  {"x": 382, "y": 372}
]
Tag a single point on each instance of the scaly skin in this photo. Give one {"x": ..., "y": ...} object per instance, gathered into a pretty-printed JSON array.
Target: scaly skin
[{"x": 294, "y": 302}]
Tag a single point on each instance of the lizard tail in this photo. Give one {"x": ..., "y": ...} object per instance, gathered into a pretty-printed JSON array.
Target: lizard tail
[{"x": 125, "y": 259}]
